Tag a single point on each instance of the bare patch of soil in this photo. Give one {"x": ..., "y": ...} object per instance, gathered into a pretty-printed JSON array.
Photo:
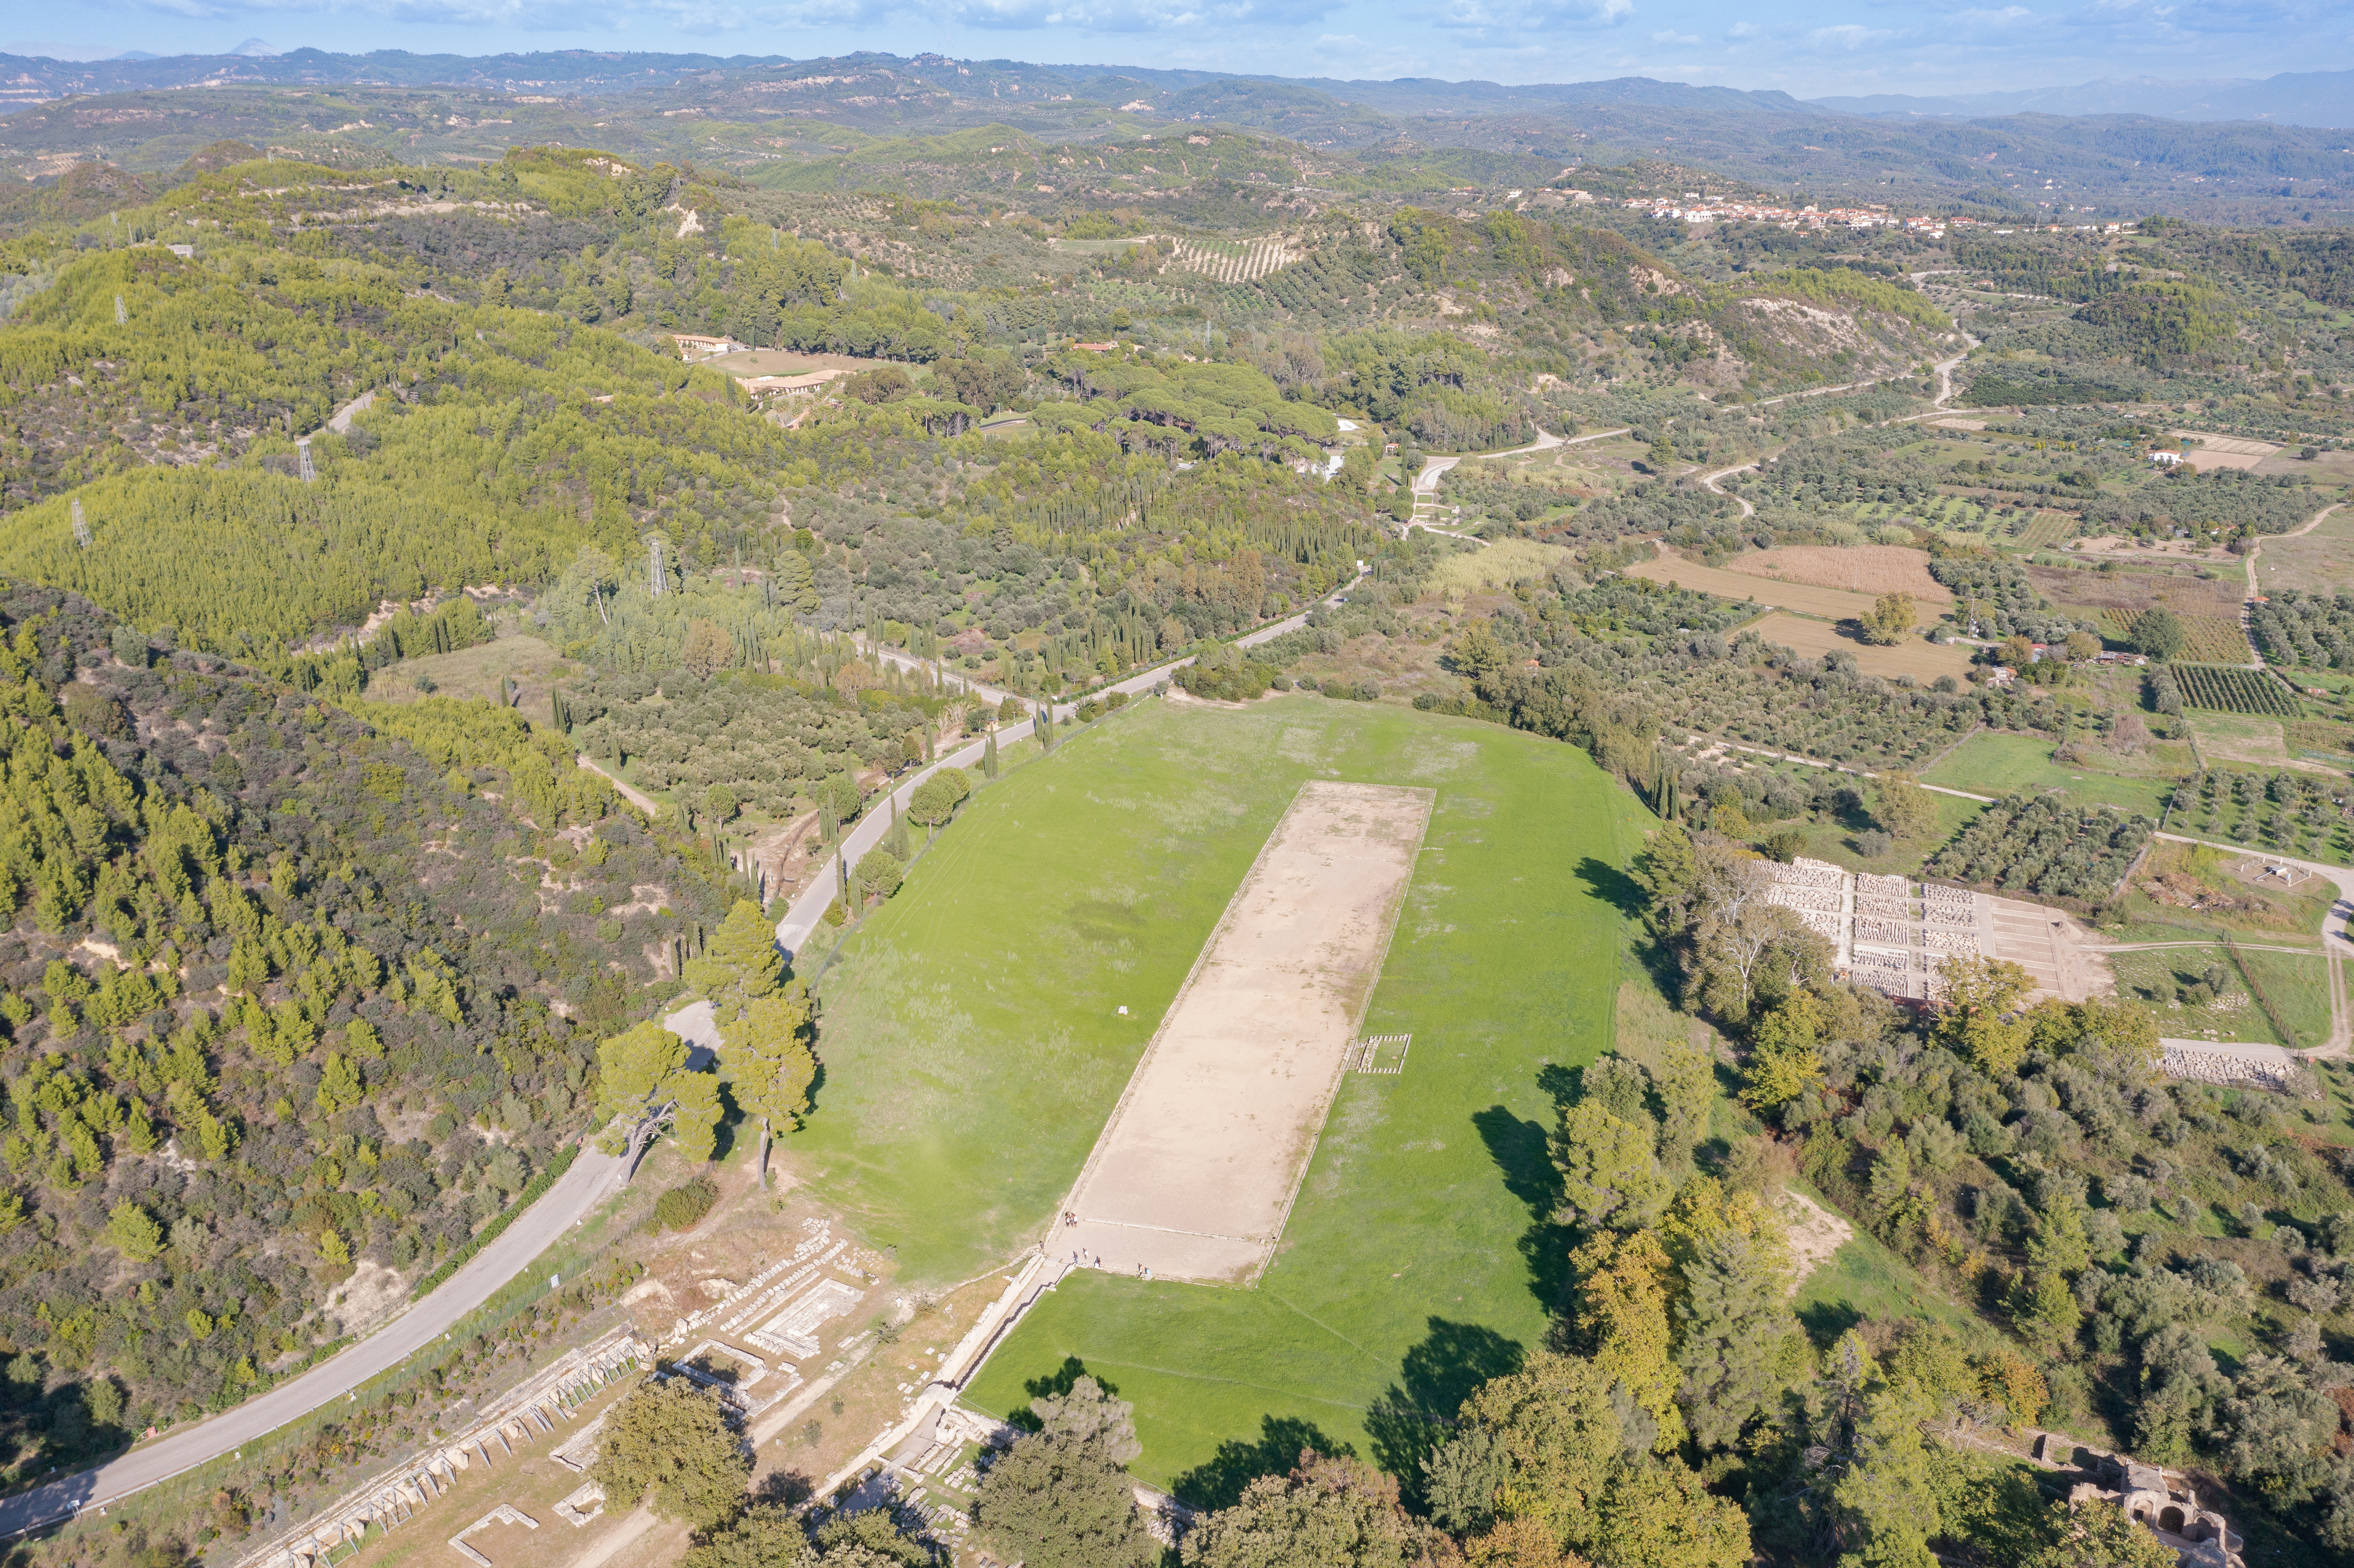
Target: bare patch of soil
[
  {"x": 1859, "y": 568},
  {"x": 1815, "y": 1234}
]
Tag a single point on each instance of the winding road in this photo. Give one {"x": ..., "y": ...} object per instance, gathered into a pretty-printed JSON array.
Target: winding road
[
  {"x": 1425, "y": 483},
  {"x": 592, "y": 1178}
]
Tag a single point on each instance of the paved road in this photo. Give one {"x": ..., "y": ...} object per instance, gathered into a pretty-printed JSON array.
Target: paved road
[
  {"x": 593, "y": 1176},
  {"x": 809, "y": 904}
]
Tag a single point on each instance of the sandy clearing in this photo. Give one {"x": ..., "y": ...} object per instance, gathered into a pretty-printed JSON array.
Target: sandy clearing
[
  {"x": 1834, "y": 604},
  {"x": 1815, "y": 1234},
  {"x": 1921, "y": 661},
  {"x": 1859, "y": 568},
  {"x": 1194, "y": 1174}
]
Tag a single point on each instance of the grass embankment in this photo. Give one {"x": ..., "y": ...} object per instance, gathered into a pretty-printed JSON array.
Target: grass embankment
[{"x": 976, "y": 1048}]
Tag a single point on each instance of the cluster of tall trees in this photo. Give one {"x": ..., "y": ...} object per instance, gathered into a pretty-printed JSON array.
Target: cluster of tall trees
[{"x": 2028, "y": 1154}]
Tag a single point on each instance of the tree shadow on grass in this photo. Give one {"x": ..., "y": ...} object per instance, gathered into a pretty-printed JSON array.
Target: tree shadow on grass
[
  {"x": 1825, "y": 1322},
  {"x": 1613, "y": 886},
  {"x": 1219, "y": 1483},
  {"x": 1054, "y": 1385},
  {"x": 1522, "y": 1155},
  {"x": 1416, "y": 1415}
]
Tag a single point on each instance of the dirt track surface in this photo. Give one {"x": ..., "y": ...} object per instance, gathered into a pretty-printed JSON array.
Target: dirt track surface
[{"x": 1194, "y": 1174}]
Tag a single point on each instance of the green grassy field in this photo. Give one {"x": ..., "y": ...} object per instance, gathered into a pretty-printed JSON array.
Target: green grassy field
[
  {"x": 2001, "y": 764},
  {"x": 973, "y": 1052},
  {"x": 1864, "y": 1279},
  {"x": 2152, "y": 976},
  {"x": 475, "y": 672},
  {"x": 1834, "y": 842},
  {"x": 2296, "y": 992}
]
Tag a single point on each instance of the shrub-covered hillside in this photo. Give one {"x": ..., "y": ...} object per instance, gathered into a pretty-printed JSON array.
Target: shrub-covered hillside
[{"x": 283, "y": 996}]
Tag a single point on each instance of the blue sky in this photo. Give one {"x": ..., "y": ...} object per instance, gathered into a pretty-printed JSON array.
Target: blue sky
[{"x": 1839, "y": 46}]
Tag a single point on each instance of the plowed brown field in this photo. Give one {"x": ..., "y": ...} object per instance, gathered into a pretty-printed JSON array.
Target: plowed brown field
[
  {"x": 1859, "y": 568},
  {"x": 1835, "y": 604}
]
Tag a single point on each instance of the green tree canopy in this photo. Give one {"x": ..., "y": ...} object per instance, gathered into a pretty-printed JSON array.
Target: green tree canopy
[
  {"x": 1060, "y": 1499},
  {"x": 1330, "y": 1512},
  {"x": 669, "y": 1445}
]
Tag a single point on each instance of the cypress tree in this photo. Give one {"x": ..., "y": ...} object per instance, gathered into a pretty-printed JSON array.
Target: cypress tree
[{"x": 989, "y": 756}]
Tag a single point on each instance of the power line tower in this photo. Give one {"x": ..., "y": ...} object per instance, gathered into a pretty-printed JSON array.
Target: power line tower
[
  {"x": 121, "y": 316},
  {"x": 654, "y": 564},
  {"x": 81, "y": 526},
  {"x": 302, "y": 459}
]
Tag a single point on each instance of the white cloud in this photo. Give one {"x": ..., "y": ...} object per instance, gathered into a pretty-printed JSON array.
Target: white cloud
[
  {"x": 1675, "y": 38},
  {"x": 1138, "y": 16},
  {"x": 1849, "y": 35}
]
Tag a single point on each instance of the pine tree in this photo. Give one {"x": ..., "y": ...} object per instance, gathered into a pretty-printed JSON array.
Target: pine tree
[
  {"x": 770, "y": 1064},
  {"x": 1886, "y": 1503},
  {"x": 1738, "y": 1337}
]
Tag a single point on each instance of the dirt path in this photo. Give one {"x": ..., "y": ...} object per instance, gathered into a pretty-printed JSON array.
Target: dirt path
[
  {"x": 1708, "y": 481},
  {"x": 1194, "y": 1173},
  {"x": 642, "y": 802},
  {"x": 2248, "y": 605},
  {"x": 1945, "y": 367},
  {"x": 1815, "y": 1233}
]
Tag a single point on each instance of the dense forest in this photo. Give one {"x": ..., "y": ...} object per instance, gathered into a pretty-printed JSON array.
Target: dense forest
[{"x": 285, "y": 996}]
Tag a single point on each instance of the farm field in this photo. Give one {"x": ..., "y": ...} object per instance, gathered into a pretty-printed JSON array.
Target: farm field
[
  {"x": 1923, "y": 662},
  {"x": 2280, "y": 999},
  {"x": 2318, "y": 561},
  {"x": 2214, "y": 451},
  {"x": 2046, "y": 529},
  {"x": 2239, "y": 737},
  {"x": 2235, "y": 807},
  {"x": 2156, "y": 977},
  {"x": 2222, "y": 688},
  {"x": 1832, "y": 604},
  {"x": 2134, "y": 590},
  {"x": 1501, "y": 565},
  {"x": 2206, "y": 639},
  {"x": 2000, "y": 765},
  {"x": 1858, "y": 568},
  {"x": 1419, "y": 1256}
]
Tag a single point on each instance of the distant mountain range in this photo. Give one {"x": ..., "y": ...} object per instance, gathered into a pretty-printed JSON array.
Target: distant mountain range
[{"x": 2322, "y": 98}]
